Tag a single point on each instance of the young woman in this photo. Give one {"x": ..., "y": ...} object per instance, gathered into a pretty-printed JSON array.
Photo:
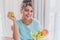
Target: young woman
[{"x": 23, "y": 28}]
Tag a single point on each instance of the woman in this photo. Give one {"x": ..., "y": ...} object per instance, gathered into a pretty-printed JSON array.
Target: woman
[{"x": 23, "y": 28}]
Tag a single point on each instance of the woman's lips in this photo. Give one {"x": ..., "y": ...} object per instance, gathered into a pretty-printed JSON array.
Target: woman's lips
[{"x": 28, "y": 15}]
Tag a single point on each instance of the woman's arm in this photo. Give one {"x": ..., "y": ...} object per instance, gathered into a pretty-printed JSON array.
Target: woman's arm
[
  {"x": 15, "y": 27},
  {"x": 15, "y": 31}
]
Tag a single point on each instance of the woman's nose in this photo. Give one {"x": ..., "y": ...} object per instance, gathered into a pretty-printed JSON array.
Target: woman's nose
[{"x": 28, "y": 12}]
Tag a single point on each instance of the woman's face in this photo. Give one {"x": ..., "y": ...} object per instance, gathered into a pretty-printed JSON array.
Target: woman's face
[{"x": 27, "y": 12}]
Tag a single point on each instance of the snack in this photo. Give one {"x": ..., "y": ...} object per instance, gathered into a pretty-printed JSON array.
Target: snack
[
  {"x": 40, "y": 34},
  {"x": 12, "y": 14}
]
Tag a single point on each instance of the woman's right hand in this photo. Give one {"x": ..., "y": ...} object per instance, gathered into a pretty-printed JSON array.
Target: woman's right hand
[{"x": 10, "y": 17}]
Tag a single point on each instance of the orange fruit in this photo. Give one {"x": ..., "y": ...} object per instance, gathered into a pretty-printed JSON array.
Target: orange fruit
[{"x": 45, "y": 31}]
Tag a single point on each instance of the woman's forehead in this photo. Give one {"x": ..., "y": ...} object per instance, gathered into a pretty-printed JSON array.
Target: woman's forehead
[{"x": 28, "y": 7}]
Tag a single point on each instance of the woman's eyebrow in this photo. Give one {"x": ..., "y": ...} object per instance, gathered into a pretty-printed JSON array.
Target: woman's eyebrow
[{"x": 26, "y": 9}]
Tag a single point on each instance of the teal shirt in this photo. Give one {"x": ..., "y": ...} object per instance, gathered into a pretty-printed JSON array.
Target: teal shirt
[{"x": 26, "y": 31}]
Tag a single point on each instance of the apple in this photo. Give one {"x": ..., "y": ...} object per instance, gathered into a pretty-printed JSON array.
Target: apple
[{"x": 12, "y": 13}]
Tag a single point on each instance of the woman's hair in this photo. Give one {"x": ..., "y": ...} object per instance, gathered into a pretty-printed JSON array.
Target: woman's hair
[{"x": 26, "y": 3}]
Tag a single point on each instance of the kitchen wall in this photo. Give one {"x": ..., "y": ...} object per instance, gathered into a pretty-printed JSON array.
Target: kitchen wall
[
  {"x": 1, "y": 11},
  {"x": 57, "y": 20}
]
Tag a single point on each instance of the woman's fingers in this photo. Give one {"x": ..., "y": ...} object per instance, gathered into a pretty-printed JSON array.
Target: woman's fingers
[{"x": 10, "y": 16}]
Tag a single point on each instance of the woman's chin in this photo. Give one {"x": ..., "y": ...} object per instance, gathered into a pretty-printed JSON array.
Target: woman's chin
[{"x": 28, "y": 18}]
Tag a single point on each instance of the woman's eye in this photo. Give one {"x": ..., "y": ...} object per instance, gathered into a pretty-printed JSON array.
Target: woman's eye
[
  {"x": 26, "y": 10},
  {"x": 31, "y": 10}
]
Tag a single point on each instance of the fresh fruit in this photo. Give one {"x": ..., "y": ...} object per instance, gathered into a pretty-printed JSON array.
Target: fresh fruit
[
  {"x": 12, "y": 14},
  {"x": 40, "y": 34},
  {"x": 45, "y": 31},
  {"x": 35, "y": 34}
]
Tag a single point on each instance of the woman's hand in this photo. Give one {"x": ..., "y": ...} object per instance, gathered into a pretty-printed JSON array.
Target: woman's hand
[
  {"x": 14, "y": 26},
  {"x": 10, "y": 17}
]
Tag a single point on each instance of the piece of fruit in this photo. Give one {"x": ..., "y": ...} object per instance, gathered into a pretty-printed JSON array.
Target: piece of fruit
[
  {"x": 11, "y": 13},
  {"x": 45, "y": 31},
  {"x": 35, "y": 34}
]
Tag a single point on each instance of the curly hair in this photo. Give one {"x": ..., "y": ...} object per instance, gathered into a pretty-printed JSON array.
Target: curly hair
[{"x": 26, "y": 3}]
